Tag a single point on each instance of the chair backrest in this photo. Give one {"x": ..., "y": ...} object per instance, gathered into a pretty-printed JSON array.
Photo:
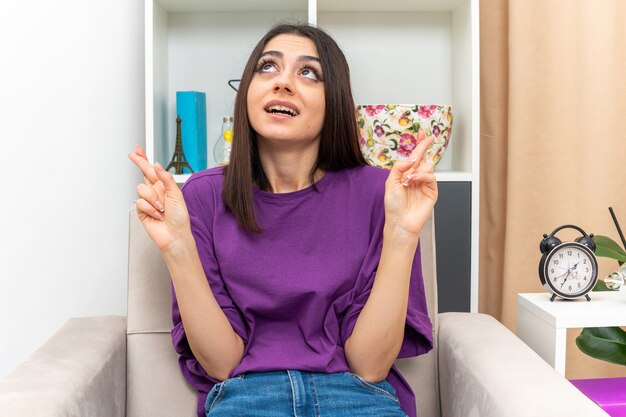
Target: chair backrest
[{"x": 155, "y": 385}]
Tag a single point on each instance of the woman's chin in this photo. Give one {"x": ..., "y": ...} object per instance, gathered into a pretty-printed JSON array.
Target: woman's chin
[{"x": 286, "y": 140}]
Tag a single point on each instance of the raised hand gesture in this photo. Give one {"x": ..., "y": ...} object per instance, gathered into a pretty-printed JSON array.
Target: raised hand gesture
[
  {"x": 410, "y": 193},
  {"x": 160, "y": 206}
]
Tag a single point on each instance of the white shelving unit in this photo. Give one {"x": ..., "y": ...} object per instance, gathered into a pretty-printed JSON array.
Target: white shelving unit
[{"x": 407, "y": 51}]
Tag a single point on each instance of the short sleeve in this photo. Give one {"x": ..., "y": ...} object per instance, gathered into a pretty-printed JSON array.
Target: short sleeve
[
  {"x": 200, "y": 201},
  {"x": 418, "y": 337}
]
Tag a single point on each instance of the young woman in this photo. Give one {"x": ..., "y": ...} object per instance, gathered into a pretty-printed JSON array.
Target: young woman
[{"x": 295, "y": 269}]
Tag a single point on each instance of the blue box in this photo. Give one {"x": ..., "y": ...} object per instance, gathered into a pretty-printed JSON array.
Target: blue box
[{"x": 191, "y": 107}]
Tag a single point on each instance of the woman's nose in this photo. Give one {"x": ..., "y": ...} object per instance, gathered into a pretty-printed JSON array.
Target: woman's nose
[{"x": 284, "y": 82}]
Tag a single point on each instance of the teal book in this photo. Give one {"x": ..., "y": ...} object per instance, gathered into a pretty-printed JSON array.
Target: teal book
[{"x": 191, "y": 107}]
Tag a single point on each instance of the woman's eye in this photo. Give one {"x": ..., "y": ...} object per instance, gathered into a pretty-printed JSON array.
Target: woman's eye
[
  {"x": 268, "y": 68},
  {"x": 310, "y": 73}
]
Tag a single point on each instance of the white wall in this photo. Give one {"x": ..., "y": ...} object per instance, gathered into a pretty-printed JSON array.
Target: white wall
[{"x": 71, "y": 109}]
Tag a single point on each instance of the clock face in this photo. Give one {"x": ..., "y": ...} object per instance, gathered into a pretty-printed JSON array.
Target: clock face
[{"x": 571, "y": 270}]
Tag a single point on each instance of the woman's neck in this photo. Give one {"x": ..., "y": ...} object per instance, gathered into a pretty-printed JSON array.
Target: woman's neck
[{"x": 289, "y": 170}]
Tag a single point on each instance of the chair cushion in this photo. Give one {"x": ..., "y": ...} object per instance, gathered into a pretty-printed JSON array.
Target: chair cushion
[{"x": 156, "y": 386}]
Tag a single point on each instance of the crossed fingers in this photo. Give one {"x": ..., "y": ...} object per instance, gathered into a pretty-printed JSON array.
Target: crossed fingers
[
  {"x": 421, "y": 169},
  {"x": 153, "y": 189}
]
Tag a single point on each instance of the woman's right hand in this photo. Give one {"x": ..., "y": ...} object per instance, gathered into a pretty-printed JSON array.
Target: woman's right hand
[{"x": 160, "y": 206}]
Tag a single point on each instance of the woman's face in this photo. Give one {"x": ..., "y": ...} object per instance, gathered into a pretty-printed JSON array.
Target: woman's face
[{"x": 286, "y": 94}]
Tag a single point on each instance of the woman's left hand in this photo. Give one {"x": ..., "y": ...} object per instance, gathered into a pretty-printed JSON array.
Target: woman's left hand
[{"x": 410, "y": 194}]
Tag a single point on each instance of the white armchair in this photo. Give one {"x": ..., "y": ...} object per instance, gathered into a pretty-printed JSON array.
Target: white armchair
[{"x": 117, "y": 366}]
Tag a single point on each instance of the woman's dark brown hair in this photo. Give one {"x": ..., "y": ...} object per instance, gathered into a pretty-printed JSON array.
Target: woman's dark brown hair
[{"x": 339, "y": 144}]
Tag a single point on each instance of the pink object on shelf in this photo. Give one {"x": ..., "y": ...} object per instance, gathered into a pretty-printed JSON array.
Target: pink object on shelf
[{"x": 608, "y": 393}]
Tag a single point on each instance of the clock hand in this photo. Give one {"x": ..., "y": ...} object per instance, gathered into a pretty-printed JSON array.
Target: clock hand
[
  {"x": 574, "y": 271},
  {"x": 560, "y": 276},
  {"x": 565, "y": 279}
]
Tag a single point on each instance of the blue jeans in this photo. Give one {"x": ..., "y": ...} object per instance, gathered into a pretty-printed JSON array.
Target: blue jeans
[{"x": 302, "y": 394}]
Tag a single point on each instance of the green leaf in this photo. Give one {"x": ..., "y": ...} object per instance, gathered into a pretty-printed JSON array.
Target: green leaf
[
  {"x": 604, "y": 343},
  {"x": 606, "y": 247}
]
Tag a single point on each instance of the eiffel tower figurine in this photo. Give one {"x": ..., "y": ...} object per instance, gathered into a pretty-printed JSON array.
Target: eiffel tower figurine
[{"x": 179, "y": 161}]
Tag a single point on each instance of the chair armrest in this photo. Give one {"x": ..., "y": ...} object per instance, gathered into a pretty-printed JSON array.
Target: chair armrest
[
  {"x": 79, "y": 371},
  {"x": 487, "y": 371}
]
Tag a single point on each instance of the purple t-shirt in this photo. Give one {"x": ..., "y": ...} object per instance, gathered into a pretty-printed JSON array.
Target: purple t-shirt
[{"x": 294, "y": 292}]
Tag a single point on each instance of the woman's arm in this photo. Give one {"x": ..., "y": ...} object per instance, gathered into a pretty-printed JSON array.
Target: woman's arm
[
  {"x": 410, "y": 195},
  {"x": 377, "y": 337},
  {"x": 163, "y": 213},
  {"x": 211, "y": 337}
]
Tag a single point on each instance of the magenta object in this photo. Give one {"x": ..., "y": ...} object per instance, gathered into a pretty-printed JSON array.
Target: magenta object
[{"x": 608, "y": 393}]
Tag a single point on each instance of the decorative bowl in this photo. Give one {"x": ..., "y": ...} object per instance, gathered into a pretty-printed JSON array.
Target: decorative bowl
[{"x": 390, "y": 132}]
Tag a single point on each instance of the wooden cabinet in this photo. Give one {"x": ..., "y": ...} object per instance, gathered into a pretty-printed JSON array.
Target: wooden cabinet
[{"x": 406, "y": 51}]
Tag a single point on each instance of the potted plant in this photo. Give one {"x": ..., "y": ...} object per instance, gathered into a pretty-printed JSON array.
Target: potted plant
[{"x": 605, "y": 343}]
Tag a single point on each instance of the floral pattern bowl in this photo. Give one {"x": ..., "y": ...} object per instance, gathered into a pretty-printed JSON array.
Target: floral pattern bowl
[{"x": 390, "y": 132}]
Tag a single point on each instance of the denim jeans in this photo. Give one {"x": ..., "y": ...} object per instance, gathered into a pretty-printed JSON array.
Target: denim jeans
[{"x": 302, "y": 394}]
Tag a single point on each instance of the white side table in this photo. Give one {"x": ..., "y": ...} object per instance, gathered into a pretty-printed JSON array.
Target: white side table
[{"x": 543, "y": 325}]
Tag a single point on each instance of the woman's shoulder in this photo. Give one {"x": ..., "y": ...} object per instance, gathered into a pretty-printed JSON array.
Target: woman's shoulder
[
  {"x": 366, "y": 176},
  {"x": 366, "y": 172},
  {"x": 373, "y": 172},
  {"x": 366, "y": 183},
  {"x": 207, "y": 178},
  {"x": 204, "y": 185}
]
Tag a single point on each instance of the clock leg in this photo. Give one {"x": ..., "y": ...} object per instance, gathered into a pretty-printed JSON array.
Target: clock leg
[
  {"x": 587, "y": 297},
  {"x": 553, "y": 297}
]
